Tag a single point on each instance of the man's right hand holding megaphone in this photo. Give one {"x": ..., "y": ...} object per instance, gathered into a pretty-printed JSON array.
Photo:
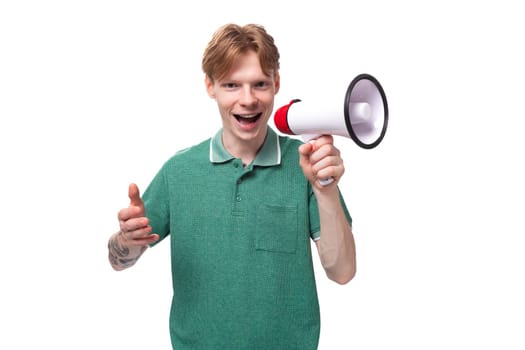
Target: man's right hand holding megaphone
[{"x": 321, "y": 161}]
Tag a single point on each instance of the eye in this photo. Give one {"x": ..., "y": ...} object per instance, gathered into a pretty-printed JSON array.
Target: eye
[
  {"x": 229, "y": 86},
  {"x": 262, "y": 84}
]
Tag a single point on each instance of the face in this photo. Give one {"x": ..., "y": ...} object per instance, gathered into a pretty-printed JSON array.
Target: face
[{"x": 245, "y": 99}]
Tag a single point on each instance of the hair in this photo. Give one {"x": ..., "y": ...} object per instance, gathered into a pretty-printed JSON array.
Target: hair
[{"x": 232, "y": 40}]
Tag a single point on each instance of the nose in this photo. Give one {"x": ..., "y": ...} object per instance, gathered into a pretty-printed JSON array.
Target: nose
[{"x": 247, "y": 97}]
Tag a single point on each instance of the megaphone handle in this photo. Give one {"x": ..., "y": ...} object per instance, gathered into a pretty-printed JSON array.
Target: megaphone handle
[
  {"x": 310, "y": 138},
  {"x": 326, "y": 182}
]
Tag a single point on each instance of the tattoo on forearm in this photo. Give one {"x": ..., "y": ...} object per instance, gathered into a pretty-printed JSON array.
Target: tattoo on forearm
[{"x": 119, "y": 254}]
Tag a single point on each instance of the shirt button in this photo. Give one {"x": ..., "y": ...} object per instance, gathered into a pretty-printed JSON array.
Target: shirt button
[
  {"x": 239, "y": 182},
  {"x": 238, "y": 198}
]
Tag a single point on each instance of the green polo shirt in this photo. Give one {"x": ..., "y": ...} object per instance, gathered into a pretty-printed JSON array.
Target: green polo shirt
[{"x": 240, "y": 238}]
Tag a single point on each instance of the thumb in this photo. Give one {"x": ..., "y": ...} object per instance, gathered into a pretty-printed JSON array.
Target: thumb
[
  {"x": 304, "y": 152},
  {"x": 134, "y": 195},
  {"x": 306, "y": 149}
]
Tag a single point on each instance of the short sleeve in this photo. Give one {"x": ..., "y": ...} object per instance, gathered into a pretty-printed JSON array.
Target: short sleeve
[{"x": 156, "y": 204}]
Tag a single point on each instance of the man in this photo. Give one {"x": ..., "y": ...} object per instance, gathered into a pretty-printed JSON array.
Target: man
[{"x": 241, "y": 209}]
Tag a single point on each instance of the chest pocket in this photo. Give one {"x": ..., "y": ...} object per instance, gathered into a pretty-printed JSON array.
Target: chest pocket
[{"x": 277, "y": 228}]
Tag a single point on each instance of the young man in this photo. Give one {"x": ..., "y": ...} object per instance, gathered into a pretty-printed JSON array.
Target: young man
[{"x": 240, "y": 209}]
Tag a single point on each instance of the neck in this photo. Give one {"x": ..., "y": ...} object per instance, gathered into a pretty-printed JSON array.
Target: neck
[{"x": 246, "y": 150}]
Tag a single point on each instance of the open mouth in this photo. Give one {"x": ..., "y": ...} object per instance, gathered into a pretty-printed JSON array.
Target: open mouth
[{"x": 247, "y": 119}]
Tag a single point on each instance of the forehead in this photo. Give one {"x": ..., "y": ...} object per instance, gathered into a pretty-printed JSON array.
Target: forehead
[{"x": 246, "y": 66}]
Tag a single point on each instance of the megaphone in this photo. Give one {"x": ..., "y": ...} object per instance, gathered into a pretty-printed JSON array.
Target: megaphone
[{"x": 362, "y": 115}]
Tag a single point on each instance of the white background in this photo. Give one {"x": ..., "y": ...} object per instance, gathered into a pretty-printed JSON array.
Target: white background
[{"x": 97, "y": 94}]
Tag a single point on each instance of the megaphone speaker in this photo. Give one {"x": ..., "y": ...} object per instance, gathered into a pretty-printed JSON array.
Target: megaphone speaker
[{"x": 362, "y": 115}]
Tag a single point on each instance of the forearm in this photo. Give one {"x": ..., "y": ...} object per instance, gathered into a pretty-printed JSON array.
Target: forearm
[
  {"x": 336, "y": 246},
  {"x": 121, "y": 255}
]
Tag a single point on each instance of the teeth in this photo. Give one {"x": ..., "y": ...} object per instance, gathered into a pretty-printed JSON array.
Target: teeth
[{"x": 247, "y": 116}]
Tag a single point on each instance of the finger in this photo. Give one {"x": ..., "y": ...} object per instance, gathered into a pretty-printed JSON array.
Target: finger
[
  {"x": 137, "y": 234},
  {"x": 335, "y": 170},
  {"x": 325, "y": 151},
  {"x": 306, "y": 149},
  {"x": 134, "y": 195},
  {"x": 321, "y": 141},
  {"x": 305, "y": 152},
  {"x": 134, "y": 224},
  {"x": 144, "y": 241},
  {"x": 130, "y": 213},
  {"x": 141, "y": 234},
  {"x": 324, "y": 160},
  {"x": 138, "y": 241}
]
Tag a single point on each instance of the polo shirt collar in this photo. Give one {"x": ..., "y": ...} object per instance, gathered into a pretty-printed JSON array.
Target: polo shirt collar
[{"x": 268, "y": 155}]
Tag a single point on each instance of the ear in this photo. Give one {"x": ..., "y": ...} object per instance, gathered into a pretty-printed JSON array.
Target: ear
[
  {"x": 277, "y": 83},
  {"x": 209, "y": 86}
]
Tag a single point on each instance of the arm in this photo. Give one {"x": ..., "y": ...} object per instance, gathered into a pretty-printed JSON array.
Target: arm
[
  {"x": 127, "y": 245},
  {"x": 320, "y": 160},
  {"x": 336, "y": 247},
  {"x": 121, "y": 256}
]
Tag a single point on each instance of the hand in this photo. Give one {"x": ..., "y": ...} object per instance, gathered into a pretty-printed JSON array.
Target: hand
[
  {"x": 134, "y": 225},
  {"x": 321, "y": 160}
]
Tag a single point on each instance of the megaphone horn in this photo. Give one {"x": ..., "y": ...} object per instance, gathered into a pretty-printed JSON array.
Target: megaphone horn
[{"x": 363, "y": 115}]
